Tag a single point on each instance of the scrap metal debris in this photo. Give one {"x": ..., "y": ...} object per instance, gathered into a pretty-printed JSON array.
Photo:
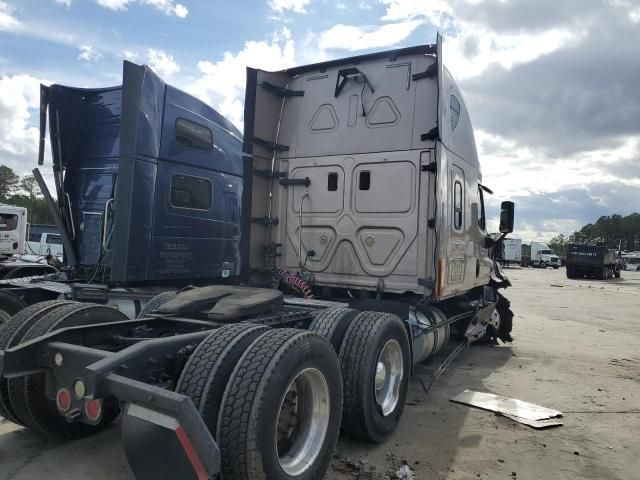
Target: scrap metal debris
[
  {"x": 523, "y": 412},
  {"x": 360, "y": 469},
  {"x": 395, "y": 469},
  {"x": 405, "y": 473}
]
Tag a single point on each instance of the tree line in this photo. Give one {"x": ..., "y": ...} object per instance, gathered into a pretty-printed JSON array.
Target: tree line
[
  {"x": 612, "y": 230},
  {"x": 24, "y": 192}
]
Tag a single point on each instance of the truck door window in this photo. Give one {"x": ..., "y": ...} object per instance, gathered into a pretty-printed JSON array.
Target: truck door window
[
  {"x": 8, "y": 222},
  {"x": 482, "y": 221},
  {"x": 193, "y": 193},
  {"x": 332, "y": 182},
  {"x": 365, "y": 180},
  {"x": 54, "y": 239},
  {"x": 457, "y": 205},
  {"x": 454, "y": 106},
  {"x": 193, "y": 135}
]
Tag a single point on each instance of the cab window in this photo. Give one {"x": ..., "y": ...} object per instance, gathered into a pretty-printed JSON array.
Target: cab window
[
  {"x": 8, "y": 222},
  {"x": 457, "y": 205},
  {"x": 193, "y": 193},
  {"x": 454, "y": 107}
]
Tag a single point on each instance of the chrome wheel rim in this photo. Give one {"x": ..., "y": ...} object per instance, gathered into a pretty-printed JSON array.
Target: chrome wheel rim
[
  {"x": 303, "y": 421},
  {"x": 388, "y": 376},
  {"x": 495, "y": 319}
]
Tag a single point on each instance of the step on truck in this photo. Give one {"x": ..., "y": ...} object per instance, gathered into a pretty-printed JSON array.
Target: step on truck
[
  {"x": 362, "y": 250},
  {"x": 593, "y": 261}
]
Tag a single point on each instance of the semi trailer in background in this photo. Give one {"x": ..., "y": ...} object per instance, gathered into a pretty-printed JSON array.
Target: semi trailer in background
[
  {"x": 594, "y": 261},
  {"x": 345, "y": 243},
  {"x": 511, "y": 251}
]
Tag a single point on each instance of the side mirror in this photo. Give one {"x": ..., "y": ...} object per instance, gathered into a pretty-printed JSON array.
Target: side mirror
[{"x": 506, "y": 217}]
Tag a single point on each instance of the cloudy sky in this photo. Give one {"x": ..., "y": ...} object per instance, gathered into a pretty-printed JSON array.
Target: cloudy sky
[{"x": 553, "y": 86}]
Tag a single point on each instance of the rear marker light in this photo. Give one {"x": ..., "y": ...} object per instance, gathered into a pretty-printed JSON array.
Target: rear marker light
[
  {"x": 93, "y": 410},
  {"x": 63, "y": 400}
]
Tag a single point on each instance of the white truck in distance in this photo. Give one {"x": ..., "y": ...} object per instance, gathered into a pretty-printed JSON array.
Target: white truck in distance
[{"x": 542, "y": 256}]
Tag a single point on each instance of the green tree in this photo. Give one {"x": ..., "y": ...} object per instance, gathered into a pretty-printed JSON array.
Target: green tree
[
  {"x": 8, "y": 182},
  {"x": 559, "y": 245},
  {"x": 30, "y": 186}
]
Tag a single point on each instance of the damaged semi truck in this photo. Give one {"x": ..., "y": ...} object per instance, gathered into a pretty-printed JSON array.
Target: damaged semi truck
[{"x": 362, "y": 248}]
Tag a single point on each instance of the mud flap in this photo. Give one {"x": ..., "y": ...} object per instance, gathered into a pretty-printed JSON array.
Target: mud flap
[{"x": 158, "y": 447}]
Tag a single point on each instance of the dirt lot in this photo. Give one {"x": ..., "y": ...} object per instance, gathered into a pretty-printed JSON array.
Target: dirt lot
[{"x": 576, "y": 349}]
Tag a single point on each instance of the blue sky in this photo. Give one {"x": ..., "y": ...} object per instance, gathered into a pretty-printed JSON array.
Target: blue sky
[{"x": 555, "y": 130}]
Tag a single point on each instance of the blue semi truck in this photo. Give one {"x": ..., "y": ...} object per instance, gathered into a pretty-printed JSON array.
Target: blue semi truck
[{"x": 148, "y": 189}]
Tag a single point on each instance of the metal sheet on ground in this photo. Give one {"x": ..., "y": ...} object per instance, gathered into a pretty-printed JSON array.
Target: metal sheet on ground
[{"x": 505, "y": 405}]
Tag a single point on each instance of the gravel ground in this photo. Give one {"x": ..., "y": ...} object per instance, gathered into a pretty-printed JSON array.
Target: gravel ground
[{"x": 576, "y": 349}]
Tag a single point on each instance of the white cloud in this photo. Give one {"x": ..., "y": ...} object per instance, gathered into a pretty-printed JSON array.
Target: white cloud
[
  {"x": 169, "y": 7},
  {"x": 222, "y": 83},
  {"x": 66, "y": 3},
  {"x": 114, "y": 4},
  {"x": 350, "y": 37},
  {"x": 7, "y": 21},
  {"x": 131, "y": 55},
  {"x": 297, "y": 6},
  {"x": 19, "y": 98},
  {"x": 162, "y": 63},
  {"x": 89, "y": 54}
]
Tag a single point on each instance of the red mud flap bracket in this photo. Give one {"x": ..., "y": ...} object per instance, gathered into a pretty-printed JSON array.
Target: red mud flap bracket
[{"x": 163, "y": 434}]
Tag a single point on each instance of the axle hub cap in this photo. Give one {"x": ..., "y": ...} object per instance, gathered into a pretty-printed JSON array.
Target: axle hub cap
[{"x": 388, "y": 376}]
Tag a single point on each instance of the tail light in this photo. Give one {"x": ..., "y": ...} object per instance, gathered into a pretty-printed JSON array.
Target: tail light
[
  {"x": 93, "y": 410},
  {"x": 63, "y": 400}
]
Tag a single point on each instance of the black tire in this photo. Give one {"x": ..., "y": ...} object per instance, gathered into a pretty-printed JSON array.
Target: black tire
[
  {"x": 543, "y": 265},
  {"x": 28, "y": 394},
  {"x": 11, "y": 334},
  {"x": 506, "y": 319},
  {"x": 155, "y": 303},
  {"x": 332, "y": 324},
  {"x": 361, "y": 347},
  {"x": 616, "y": 273},
  {"x": 206, "y": 374},
  {"x": 10, "y": 304},
  {"x": 255, "y": 395},
  {"x": 555, "y": 267},
  {"x": 571, "y": 272}
]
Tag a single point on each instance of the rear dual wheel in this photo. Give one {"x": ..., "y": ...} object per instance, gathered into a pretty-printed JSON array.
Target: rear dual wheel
[
  {"x": 28, "y": 394},
  {"x": 271, "y": 398},
  {"x": 11, "y": 334},
  {"x": 375, "y": 361}
]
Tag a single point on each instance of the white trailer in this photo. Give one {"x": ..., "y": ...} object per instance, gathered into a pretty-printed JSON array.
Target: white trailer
[{"x": 511, "y": 251}]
